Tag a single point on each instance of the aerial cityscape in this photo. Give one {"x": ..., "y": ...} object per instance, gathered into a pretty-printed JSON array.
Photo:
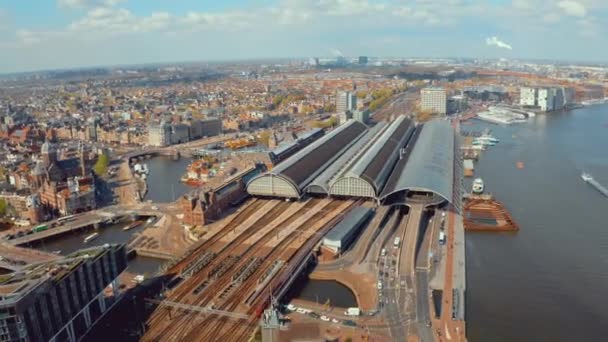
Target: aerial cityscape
[{"x": 259, "y": 172}]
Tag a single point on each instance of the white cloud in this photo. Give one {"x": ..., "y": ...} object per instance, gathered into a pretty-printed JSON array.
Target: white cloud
[
  {"x": 3, "y": 19},
  {"x": 27, "y": 37},
  {"x": 551, "y": 18},
  {"x": 573, "y": 8},
  {"x": 522, "y": 4},
  {"x": 75, "y": 4},
  {"x": 348, "y": 7},
  {"x": 494, "y": 41}
]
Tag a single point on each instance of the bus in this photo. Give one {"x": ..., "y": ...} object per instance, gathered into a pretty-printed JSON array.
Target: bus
[{"x": 40, "y": 228}]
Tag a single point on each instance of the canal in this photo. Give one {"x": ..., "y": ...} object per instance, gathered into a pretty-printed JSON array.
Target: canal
[
  {"x": 164, "y": 183},
  {"x": 73, "y": 241},
  {"x": 549, "y": 281},
  {"x": 328, "y": 292},
  {"x": 113, "y": 234}
]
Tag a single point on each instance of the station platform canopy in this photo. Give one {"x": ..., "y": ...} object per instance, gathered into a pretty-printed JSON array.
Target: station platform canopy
[{"x": 428, "y": 168}]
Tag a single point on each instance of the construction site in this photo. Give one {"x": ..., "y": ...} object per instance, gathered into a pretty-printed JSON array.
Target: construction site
[{"x": 368, "y": 207}]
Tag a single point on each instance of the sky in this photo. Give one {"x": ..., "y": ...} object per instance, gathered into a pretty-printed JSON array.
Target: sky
[{"x": 52, "y": 34}]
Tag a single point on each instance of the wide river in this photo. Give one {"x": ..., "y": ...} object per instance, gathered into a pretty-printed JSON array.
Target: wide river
[{"x": 549, "y": 281}]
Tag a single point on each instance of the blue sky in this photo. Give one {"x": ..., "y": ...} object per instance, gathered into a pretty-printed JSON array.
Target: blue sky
[{"x": 47, "y": 34}]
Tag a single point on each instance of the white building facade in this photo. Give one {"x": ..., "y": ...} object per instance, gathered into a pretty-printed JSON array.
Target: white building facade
[
  {"x": 433, "y": 100},
  {"x": 346, "y": 101}
]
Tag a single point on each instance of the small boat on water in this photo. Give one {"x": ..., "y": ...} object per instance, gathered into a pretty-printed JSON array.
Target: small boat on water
[
  {"x": 478, "y": 186},
  {"x": 91, "y": 237},
  {"x": 132, "y": 225},
  {"x": 599, "y": 187},
  {"x": 586, "y": 177}
]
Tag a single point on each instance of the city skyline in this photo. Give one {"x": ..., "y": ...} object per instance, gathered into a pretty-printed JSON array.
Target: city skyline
[{"x": 82, "y": 33}]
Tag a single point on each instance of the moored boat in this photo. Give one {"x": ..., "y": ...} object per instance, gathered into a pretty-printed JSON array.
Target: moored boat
[{"x": 91, "y": 237}]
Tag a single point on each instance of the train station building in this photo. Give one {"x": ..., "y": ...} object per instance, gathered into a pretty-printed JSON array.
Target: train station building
[{"x": 387, "y": 162}]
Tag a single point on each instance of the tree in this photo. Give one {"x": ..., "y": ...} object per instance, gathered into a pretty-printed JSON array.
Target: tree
[
  {"x": 333, "y": 121},
  {"x": 329, "y": 108},
  {"x": 101, "y": 166},
  {"x": 3, "y": 207},
  {"x": 264, "y": 138}
]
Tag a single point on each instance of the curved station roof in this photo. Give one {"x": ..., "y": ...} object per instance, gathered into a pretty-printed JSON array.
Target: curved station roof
[
  {"x": 429, "y": 165},
  {"x": 372, "y": 169},
  {"x": 386, "y": 162},
  {"x": 290, "y": 177}
]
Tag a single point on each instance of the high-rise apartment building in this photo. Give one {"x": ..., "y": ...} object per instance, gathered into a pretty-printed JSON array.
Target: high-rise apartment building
[
  {"x": 546, "y": 99},
  {"x": 433, "y": 100},
  {"x": 527, "y": 96},
  {"x": 346, "y": 101}
]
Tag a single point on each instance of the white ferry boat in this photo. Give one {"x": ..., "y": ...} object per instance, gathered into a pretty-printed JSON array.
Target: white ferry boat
[
  {"x": 91, "y": 237},
  {"x": 478, "y": 186}
]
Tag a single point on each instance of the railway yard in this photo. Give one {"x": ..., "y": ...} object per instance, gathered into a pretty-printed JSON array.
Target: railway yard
[{"x": 244, "y": 259}]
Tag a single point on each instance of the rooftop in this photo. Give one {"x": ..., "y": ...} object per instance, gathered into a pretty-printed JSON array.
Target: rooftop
[
  {"x": 350, "y": 220},
  {"x": 313, "y": 159},
  {"x": 429, "y": 165},
  {"x": 17, "y": 284}
]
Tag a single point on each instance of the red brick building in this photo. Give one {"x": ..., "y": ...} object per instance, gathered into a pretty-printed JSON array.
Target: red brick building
[{"x": 210, "y": 205}]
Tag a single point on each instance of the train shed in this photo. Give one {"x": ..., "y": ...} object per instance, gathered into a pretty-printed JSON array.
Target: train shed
[
  {"x": 290, "y": 178},
  {"x": 426, "y": 171},
  {"x": 368, "y": 175},
  {"x": 322, "y": 184}
]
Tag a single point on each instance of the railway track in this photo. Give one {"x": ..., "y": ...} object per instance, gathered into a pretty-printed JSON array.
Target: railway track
[
  {"x": 222, "y": 329},
  {"x": 243, "y": 332},
  {"x": 217, "y": 324},
  {"x": 193, "y": 254},
  {"x": 183, "y": 292}
]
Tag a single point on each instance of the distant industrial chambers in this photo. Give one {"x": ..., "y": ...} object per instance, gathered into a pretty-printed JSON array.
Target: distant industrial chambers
[{"x": 342, "y": 235}]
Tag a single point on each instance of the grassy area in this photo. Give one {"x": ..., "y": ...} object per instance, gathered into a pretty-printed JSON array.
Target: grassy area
[
  {"x": 331, "y": 122},
  {"x": 379, "y": 98}
]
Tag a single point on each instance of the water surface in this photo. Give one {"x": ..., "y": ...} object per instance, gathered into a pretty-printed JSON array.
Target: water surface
[{"x": 549, "y": 281}]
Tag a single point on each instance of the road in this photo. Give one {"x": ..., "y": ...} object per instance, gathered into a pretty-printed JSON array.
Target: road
[{"x": 451, "y": 323}]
